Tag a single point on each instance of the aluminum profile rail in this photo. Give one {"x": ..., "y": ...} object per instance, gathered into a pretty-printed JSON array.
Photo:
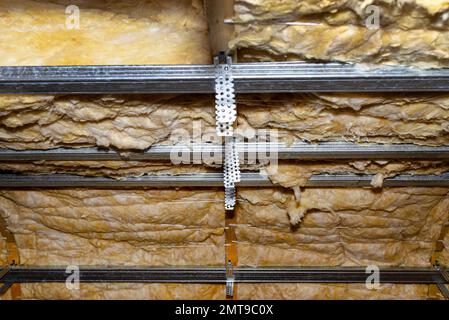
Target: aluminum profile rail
[
  {"x": 218, "y": 275},
  {"x": 248, "y": 78},
  {"x": 119, "y": 274},
  {"x": 297, "y": 151},
  {"x": 338, "y": 275},
  {"x": 107, "y": 79},
  {"x": 17, "y": 181}
]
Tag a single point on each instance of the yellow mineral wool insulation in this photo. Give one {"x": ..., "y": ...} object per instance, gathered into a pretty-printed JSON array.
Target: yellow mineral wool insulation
[
  {"x": 139, "y": 121},
  {"x": 444, "y": 256},
  {"x": 115, "y": 169},
  {"x": 336, "y": 38},
  {"x": 3, "y": 252},
  {"x": 406, "y": 14},
  {"x": 383, "y": 118},
  {"x": 124, "y": 122},
  {"x": 331, "y": 291},
  {"x": 116, "y": 227},
  {"x": 124, "y": 291},
  {"x": 297, "y": 173},
  {"x": 340, "y": 227},
  {"x": 109, "y": 32}
]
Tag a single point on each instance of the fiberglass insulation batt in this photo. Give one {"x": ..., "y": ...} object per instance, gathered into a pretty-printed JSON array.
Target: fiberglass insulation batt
[
  {"x": 117, "y": 228},
  {"x": 137, "y": 122},
  {"x": 110, "y": 32},
  {"x": 411, "y": 32},
  {"x": 3, "y": 251},
  {"x": 444, "y": 258},
  {"x": 340, "y": 227},
  {"x": 274, "y": 226}
]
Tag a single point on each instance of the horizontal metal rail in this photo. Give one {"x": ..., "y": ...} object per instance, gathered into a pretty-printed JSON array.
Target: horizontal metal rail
[
  {"x": 130, "y": 275},
  {"x": 218, "y": 275},
  {"x": 281, "y": 151},
  {"x": 337, "y": 275},
  {"x": 248, "y": 78},
  {"x": 12, "y": 181}
]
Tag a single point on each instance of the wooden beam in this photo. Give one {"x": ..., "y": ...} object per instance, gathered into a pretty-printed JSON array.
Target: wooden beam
[
  {"x": 13, "y": 254},
  {"x": 219, "y": 32}
]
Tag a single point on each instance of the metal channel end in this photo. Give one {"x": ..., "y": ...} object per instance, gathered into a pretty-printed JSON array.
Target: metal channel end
[
  {"x": 4, "y": 284},
  {"x": 443, "y": 286}
]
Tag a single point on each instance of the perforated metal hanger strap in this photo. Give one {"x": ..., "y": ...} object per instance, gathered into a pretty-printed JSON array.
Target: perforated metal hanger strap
[
  {"x": 231, "y": 172},
  {"x": 225, "y": 115},
  {"x": 225, "y": 107}
]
